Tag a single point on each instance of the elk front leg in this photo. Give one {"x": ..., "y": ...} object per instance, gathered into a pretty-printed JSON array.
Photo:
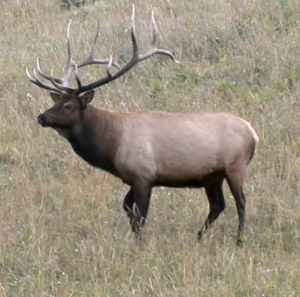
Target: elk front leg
[
  {"x": 141, "y": 194},
  {"x": 217, "y": 204},
  {"x": 128, "y": 205}
]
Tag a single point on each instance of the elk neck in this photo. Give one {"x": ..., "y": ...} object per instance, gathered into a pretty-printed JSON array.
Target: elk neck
[{"x": 95, "y": 137}]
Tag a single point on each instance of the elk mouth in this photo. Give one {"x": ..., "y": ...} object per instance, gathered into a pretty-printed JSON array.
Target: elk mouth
[
  {"x": 42, "y": 121},
  {"x": 49, "y": 121}
]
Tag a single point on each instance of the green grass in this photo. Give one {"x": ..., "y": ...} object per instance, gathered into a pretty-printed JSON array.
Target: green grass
[{"x": 63, "y": 231}]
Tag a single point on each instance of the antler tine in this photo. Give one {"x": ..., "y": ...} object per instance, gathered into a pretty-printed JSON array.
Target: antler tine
[
  {"x": 62, "y": 87},
  {"x": 46, "y": 76},
  {"x": 71, "y": 63},
  {"x": 108, "y": 67},
  {"x": 39, "y": 83},
  {"x": 91, "y": 58},
  {"x": 95, "y": 39},
  {"x": 133, "y": 38},
  {"x": 68, "y": 42},
  {"x": 78, "y": 79},
  {"x": 153, "y": 50},
  {"x": 154, "y": 29}
]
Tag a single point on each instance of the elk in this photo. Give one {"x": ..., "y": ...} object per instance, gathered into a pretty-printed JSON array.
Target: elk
[{"x": 149, "y": 149}]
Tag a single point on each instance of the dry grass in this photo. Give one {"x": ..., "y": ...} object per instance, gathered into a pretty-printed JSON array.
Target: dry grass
[{"x": 62, "y": 228}]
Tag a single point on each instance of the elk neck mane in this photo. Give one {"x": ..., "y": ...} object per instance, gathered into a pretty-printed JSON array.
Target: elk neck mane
[{"x": 95, "y": 137}]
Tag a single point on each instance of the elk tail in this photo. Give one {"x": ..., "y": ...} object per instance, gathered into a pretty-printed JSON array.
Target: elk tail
[{"x": 255, "y": 141}]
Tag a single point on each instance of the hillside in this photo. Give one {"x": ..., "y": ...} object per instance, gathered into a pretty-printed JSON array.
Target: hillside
[{"x": 63, "y": 231}]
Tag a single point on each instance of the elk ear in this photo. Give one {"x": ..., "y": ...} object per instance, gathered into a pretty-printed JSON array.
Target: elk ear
[
  {"x": 55, "y": 96},
  {"x": 87, "y": 98}
]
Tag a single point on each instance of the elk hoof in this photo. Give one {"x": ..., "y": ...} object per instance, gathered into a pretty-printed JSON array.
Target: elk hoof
[{"x": 241, "y": 239}]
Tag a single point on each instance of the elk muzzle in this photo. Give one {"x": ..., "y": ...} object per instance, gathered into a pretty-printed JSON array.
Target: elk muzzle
[{"x": 42, "y": 120}]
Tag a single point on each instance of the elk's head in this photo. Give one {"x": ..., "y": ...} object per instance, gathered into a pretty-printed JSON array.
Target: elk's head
[
  {"x": 70, "y": 103},
  {"x": 66, "y": 111}
]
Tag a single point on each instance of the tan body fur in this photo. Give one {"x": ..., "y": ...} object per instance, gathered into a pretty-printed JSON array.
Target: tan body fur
[{"x": 169, "y": 148}]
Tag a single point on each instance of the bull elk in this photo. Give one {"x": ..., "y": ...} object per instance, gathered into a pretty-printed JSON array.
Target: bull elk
[{"x": 148, "y": 149}]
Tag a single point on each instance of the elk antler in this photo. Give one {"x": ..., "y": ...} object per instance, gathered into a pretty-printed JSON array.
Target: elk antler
[
  {"x": 136, "y": 58},
  {"x": 61, "y": 85}
]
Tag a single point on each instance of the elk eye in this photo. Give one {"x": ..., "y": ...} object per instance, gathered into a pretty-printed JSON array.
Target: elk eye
[{"x": 68, "y": 106}]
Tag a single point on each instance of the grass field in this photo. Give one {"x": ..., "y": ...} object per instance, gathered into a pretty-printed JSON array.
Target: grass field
[{"x": 63, "y": 231}]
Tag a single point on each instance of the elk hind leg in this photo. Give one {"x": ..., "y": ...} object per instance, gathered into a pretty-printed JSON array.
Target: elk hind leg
[
  {"x": 217, "y": 204},
  {"x": 234, "y": 178}
]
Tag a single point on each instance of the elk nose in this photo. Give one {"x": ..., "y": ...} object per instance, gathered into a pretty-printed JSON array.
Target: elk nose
[{"x": 41, "y": 119}]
